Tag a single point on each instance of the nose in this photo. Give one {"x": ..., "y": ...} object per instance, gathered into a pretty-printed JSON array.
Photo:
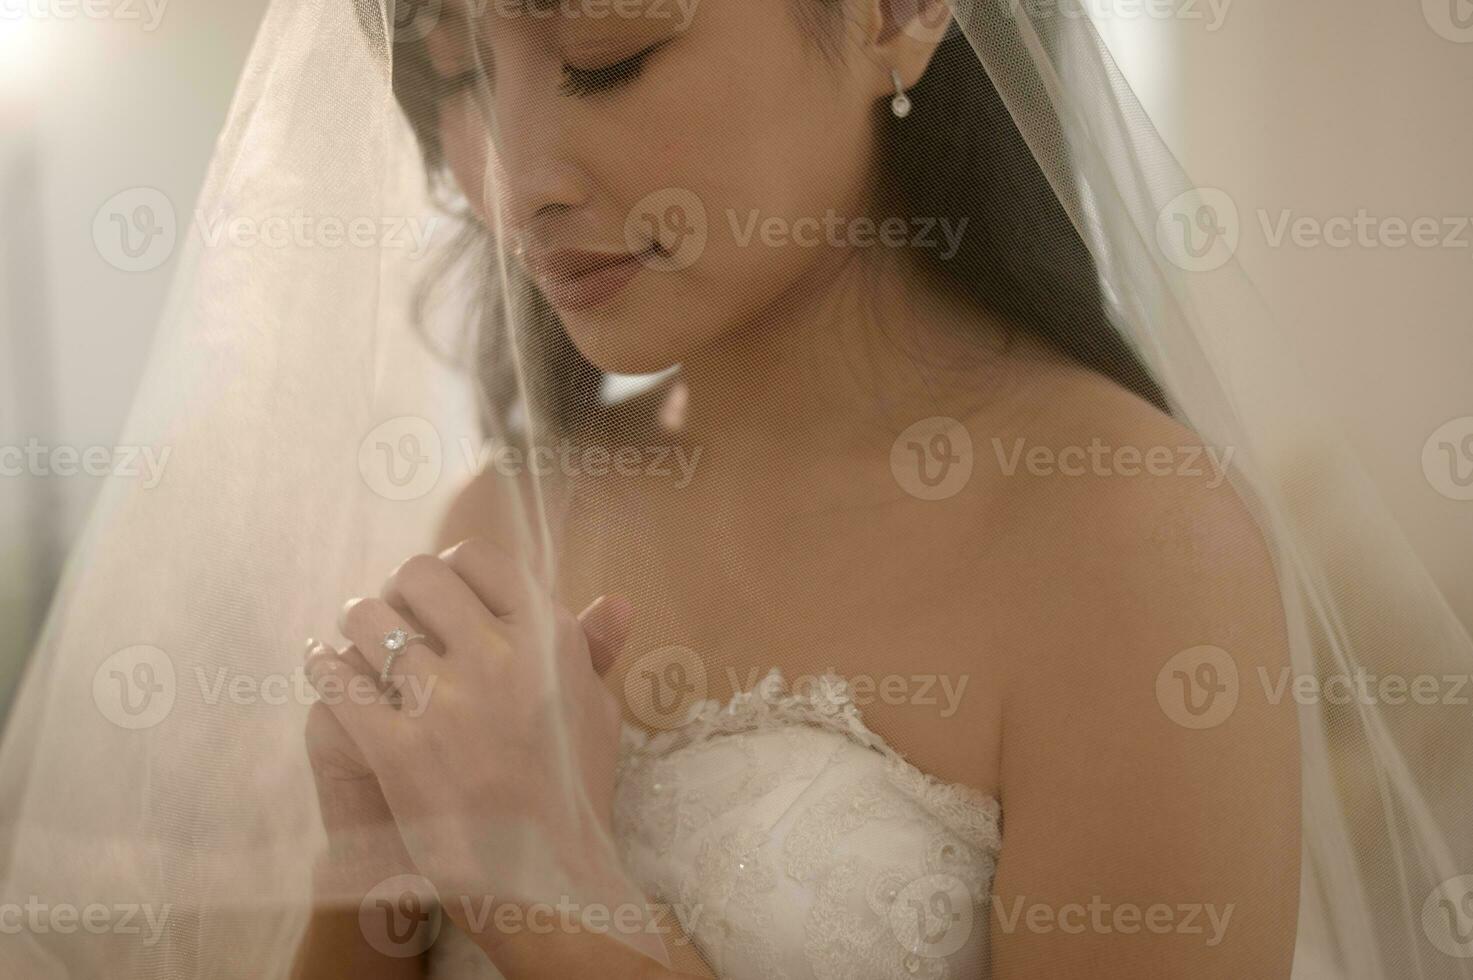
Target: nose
[
  {"x": 540, "y": 186},
  {"x": 540, "y": 197}
]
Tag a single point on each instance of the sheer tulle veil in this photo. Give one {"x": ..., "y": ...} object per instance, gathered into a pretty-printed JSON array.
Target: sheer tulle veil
[{"x": 323, "y": 404}]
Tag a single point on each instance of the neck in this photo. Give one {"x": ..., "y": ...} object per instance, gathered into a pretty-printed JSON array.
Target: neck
[{"x": 839, "y": 368}]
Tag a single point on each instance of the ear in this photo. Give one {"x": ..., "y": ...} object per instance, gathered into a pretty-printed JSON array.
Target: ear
[{"x": 902, "y": 35}]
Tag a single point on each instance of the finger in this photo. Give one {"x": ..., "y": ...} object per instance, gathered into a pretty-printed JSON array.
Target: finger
[
  {"x": 330, "y": 749},
  {"x": 607, "y": 623},
  {"x": 368, "y": 623},
  {"x": 355, "y": 657},
  {"x": 357, "y": 664},
  {"x": 352, "y": 694},
  {"x": 426, "y": 590},
  {"x": 360, "y": 664},
  {"x": 500, "y": 580}
]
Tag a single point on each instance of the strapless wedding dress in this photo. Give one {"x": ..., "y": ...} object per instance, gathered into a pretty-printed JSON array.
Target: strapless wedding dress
[{"x": 797, "y": 845}]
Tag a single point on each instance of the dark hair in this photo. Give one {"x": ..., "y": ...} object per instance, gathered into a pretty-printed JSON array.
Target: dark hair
[{"x": 957, "y": 157}]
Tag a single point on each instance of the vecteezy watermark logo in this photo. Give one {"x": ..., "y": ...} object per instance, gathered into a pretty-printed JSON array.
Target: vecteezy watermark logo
[
  {"x": 1099, "y": 459},
  {"x": 1107, "y": 918},
  {"x": 34, "y": 459},
  {"x": 303, "y": 230},
  {"x": 1212, "y": 12},
  {"x": 670, "y": 229},
  {"x": 678, "y": 12},
  {"x": 933, "y": 458},
  {"x": 1447, "y": 458},
  {"x": 675, "y": 463},
  {"x": 135, "y": 229},
  {"x": 401, "y": 459},
  {"x": 401, "y": 916},
  {"x": 1199, "y": 229},
  {"x": 932, "y": 916},
  {"x": 662, "y": 685},
  {"x": 1447, "y": 916},
  {"x": 1365, "y": 230},
  {"x": 833, "y": 230},
  {"x": 225, "y": 687},
  {"x": 150, "y": 13},
  {"x": 674, "y": 222},
  {"x": 1198, "y": 688},
  {"x": 135, "y": 687},
  {"x": 139, "y": 687},
  {"x": 485, "y": 913},
  {"x": 64, "y": 918},
  {"x": 942, "y": 692},
  {"x": 1451, "y": 19},
  {"x": 1361, "y": 686}
]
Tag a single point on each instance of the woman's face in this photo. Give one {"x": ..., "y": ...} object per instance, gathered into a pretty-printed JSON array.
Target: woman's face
[{"x": 667, "y": 166}]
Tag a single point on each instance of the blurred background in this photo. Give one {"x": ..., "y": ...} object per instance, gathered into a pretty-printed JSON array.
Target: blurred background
[{"x": 108, "y": 115}]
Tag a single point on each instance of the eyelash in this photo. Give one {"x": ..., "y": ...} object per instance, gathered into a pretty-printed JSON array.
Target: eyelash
[
  {"x": 577, "y": 82},
  {"x": 588, "y": 81}
]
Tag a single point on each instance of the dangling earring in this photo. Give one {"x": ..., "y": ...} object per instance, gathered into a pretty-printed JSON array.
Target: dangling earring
[{"x": 900, "y": 105}]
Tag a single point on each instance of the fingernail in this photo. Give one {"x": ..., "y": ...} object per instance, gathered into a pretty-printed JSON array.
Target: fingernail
[
  {"x": 316, "y": 650},
  {"x": 615, "y": 612},
  {"x": 317, "y": 665},
  {"x": 596, "y": 617},
  {"x": 343, "y": 611},
  {"x": 622, "y": 607}
]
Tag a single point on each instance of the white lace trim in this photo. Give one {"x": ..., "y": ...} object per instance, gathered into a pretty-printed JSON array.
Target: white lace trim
[{"x": 769, "y": 705}]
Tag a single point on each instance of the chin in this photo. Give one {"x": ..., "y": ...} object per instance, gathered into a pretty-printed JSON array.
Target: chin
[
  {"x": 624, "y": 343},
  {"x": 628, "y": 338}
]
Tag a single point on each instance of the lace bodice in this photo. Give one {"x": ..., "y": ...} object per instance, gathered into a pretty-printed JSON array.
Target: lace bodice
[{"x": 796, "y": 845}]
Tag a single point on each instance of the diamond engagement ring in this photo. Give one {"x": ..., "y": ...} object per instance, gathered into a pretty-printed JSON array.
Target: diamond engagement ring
[{"x": 396, "y": 641}]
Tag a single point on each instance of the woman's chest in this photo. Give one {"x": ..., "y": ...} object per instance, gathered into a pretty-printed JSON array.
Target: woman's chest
[{"x": 899, "y": 616}]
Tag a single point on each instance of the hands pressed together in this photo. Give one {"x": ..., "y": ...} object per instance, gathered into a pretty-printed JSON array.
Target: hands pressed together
[{"x": 485, "y": 754}]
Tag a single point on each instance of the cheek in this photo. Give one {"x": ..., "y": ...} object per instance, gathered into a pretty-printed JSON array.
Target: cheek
[{"x": 777, "y": 158}]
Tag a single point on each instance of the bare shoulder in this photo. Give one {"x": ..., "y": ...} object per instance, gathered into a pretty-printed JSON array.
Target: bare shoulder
[
  {"x": 1141, "y": 753},
  {"x": 1094, "y": 471},
  {"x": 1124, "y": 525}
]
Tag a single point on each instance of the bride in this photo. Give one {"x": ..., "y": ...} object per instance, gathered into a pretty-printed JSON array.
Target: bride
[
  {"x": 876, "y": 555},
  {"x": 1045, "y": 598}
]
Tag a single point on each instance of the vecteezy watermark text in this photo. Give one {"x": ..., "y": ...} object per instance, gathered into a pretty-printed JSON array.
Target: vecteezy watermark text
[
  {"x": 939, "y": 234},
  {"x": 1124, "y": 918},
  {"x": 1100, "y": 459},
  {"x": 34, "y": 459},
  {"x": 149, "y": 13},
  {"x": 300, "y": 229},
  {"x": 572, "y": 460},
  {"x": 65, "y": 918}
]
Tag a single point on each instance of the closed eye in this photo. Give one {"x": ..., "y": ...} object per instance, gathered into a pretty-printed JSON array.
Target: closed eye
[{"x": 587, "y": 81}]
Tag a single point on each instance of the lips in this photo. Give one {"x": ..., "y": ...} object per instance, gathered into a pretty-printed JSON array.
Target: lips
[
  {"x": 571, "y": 263},
  {"x": 573, "y": 279}
]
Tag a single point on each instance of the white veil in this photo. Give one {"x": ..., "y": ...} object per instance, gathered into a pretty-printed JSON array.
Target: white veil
[{"x": 323, "y": 402}]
